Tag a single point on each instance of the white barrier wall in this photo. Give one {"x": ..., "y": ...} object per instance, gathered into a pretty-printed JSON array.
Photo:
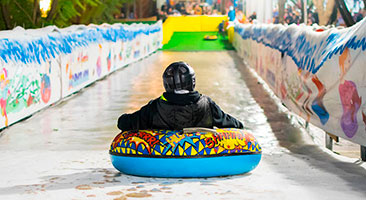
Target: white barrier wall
[
  {"x": 321, "y": 76},
  {"x": 41, "y": 66}
]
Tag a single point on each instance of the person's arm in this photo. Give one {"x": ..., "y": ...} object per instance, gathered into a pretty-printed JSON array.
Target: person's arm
[
  {"x": 220, "y": 119},
  {"x": 141, "y": 119}
]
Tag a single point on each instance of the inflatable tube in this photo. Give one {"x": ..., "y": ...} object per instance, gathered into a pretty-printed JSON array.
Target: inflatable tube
[
  {"x": 185, "y": 153},
  {"x": 210, "y": 37}
]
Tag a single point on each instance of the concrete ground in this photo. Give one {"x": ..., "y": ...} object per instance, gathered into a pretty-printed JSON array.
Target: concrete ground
[{"x": 62, "y": 151}]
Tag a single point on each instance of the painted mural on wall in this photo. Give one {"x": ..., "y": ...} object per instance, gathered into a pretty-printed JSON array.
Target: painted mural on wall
[
  {"x": 25, "y": 89},
  {"x": 40, "y": 67},
  {"x": 319, "y": 75}
]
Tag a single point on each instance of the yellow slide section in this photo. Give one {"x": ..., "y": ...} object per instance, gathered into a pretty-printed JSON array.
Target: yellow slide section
[{"x": 190, "y": 24}]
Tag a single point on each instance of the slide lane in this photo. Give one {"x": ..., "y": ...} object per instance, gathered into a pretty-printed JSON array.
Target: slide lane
[{"x": 63, "y": 150}]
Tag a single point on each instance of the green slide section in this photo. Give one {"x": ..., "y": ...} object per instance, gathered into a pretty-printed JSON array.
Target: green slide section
[{"x": 194, "y": 41}]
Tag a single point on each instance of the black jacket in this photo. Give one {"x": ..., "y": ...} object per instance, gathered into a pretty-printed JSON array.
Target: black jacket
[{"x": 177, "y": 111}]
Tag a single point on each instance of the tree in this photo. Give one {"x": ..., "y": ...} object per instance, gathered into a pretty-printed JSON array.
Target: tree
[
  {"x": 333, "y": 16},
  {"x": 346, "y": 15},
  {"x": 17, "y": 12},
  {"x": 102, "y": 12},
  {"x": 68, "y": 10},
  {"x": 36, "y": 12},
  {"x": 281, "y": 11},
  {"x": 324, "y": 12},
  {"x": 53, "y": 10},
  {"x": 62, "y": 13},
  {"x": 5, "y": 14}
]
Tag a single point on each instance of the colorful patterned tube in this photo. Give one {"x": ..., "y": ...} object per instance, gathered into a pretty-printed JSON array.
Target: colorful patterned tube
[{"x": 194, "y": 152}]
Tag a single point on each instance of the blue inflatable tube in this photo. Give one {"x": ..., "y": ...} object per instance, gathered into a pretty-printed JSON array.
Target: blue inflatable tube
[
  {"x": 198, "y": 153},
  {"x": 186, "y": 167}
]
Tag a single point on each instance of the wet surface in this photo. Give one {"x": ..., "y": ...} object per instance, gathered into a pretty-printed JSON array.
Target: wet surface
[
  {"x": 63, "y": 150},
  {"x": 88, "y": 119}
]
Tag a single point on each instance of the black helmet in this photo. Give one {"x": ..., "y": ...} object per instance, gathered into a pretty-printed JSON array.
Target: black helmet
[{"x": 179, "y": 76}]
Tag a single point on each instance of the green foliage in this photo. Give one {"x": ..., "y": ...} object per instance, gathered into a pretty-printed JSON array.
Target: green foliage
[
  {"x": 110, "y": 8},
  {"x": 67, "y": 12},
  {"x": 102, "y": 13},
  {"x": 20, "y": 12}
]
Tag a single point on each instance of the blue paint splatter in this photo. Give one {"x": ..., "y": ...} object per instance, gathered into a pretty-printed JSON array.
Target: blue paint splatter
[
  {"x": 320, "y": 110},
  {"x": 307, "y": 53},
  {"x": 39, "y": 49}
]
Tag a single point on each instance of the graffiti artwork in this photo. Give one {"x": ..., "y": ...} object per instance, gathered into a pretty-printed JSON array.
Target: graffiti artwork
[
  {"x": 24, "y": 90},
  {"x": 179, "y": 143},
  {"x": 28, "y": 81},
  {"x": 77, "y": 70},
  {"x": 349, "y": 97},
  {"x": 46, "y": 84},
  {"x": 4, "y": 92},
  {"x": 45, "y": 88},
  {"x": 190, "y": 153},
  {"x": 321, "y": 77}
]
